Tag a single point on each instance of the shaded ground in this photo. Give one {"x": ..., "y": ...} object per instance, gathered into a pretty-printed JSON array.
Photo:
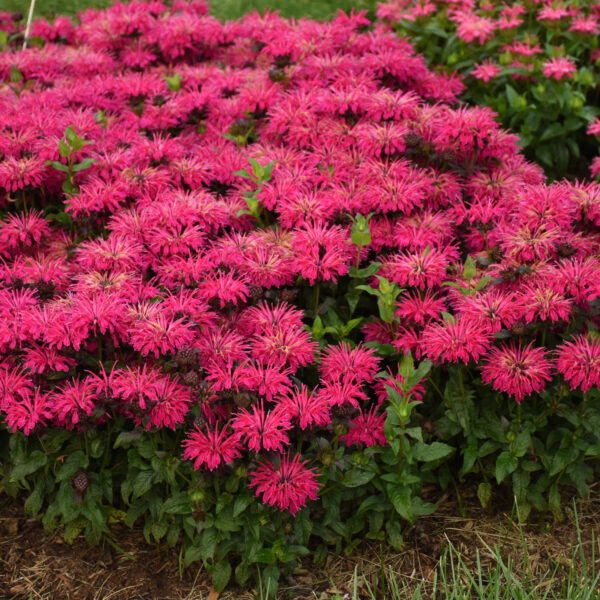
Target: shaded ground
[{"x": 34, "y": 565}]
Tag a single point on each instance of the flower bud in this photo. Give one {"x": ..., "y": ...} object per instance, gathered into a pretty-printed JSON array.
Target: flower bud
[
  {"x": 575, "y": 102},
  {"x": 81, "y": 481}
]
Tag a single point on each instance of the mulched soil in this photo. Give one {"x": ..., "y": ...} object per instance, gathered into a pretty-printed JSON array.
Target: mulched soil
[{"x": 37, "y": 566}]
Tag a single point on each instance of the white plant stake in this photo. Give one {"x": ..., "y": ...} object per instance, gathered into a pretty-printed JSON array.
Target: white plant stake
[{"x": 28, "y": 27}]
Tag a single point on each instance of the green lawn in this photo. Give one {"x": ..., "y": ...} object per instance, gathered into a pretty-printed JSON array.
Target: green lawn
[{"x": 223, "y": 9}]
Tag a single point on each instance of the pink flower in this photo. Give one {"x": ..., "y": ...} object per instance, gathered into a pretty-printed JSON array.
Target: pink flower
[
  {"x": 472, "y": 27},
  {"x": 41, "y": 359},
  {"x": 542, "y": 303},
  {"x": 559, "y": 67},
  {"x": 420, "y": 307},
  {"x": 287, "y": 486},
  {"x": 263, "y": 428},
  {"x": 426, "y": 268},
  {"x": 212, "y": 448},
  {"x": 159, "y": 335},
  {"x": 516, "y": 370},
  {"x": 309, "y": 408},
  {"x": 455, "y": 340},
  {"x": 366, "y": 430},
  {"x": 322, "y": 252},
  {"x": 266, "y": 380},
  {"x": 73, "y": 400},
  {"x": 588, "y": 25},
  {"x": 17, "y": 173},
  {"x": 285, "y": 346},
  {"x": 23, "y": 229},
  {"x": 486, "y": 71},
  {"x": 579, "y": 362},
  {"x": 594, "y": 128},
  {"x": 28, "y": 411},
  {"x": 171, "y": 404},
  {"x": 344, "y": 363}
]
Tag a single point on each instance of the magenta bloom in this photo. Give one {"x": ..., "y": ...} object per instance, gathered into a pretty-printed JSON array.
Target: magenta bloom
[
  {"x": 559, "y": 67},
  {"x": 28, "y": 411},
  {"x": 516, "y": 370},
  {"x": 594, "y": 128},
  {"x": 486, "y": 71},
  {"x": 263, "y": 428},
  {"x": 366, "y": 430},
  {"x": 287, "y": 486},
  {"x": 458, "y": 340},
  {"x": 343, "y": 363},
  {"x": 212, "y": 448},
  {"x": 322, "y": 252},
  {"x": 579, "y": 362},
  {"x": 423, "y": 269},
  {"x": 309, "y": 408},
  {"x": 72, "y": 401}
]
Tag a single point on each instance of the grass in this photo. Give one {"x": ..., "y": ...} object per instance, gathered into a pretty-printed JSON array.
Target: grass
[
  {"x": 446, "y": 557},
  {"x": 223, "y": 9},
  {"x": 573, "y": 579}
]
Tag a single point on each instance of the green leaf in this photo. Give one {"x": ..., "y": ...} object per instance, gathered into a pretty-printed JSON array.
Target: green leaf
[
  {"x": 192, "y": 554},
  {"x": 178, "y": 504},
  {"x": 86, "y": 163},
  {"x": 126, "y": 437},
  {"x": 400, "y": 497},
  {"x": 506, "y": 463},
  {"x": 64, "y": 149},
  {"x": 71, "y": 136},
  {"x": 562, "y": 458},
  {"x": 552, "y": 131},
  {"x": 35, "y": 461},
  {"x": 484, "y": 493},
  {"x": 174, "y": 82},
  {"x": 221, "y": 575},
  {"x": 265, "y": 555},
  {"x": 243, "y": 572},
  {"x": 240, "y": 504},
  {"x": 469, "y": 270},
  {"x": 226, "y": 522},
  {"x": 357, "y": 477},
  {"x": 57, "y": 165},
  {"x": 544, "y": 154},
  {"x": 394, "y": 531},
  {"x": 482, "y": 283},
  {"x": 244, "y": 173},
  {"x": 142, "y": 483},
  {"x": 15, "y": 75},
  {"x": 432, "y": 452},
  {"x": 360, "y": 233},
  {"x": 34, "y": 501},
  {"x": 365, "y": 271},
  {"x": 73, "y": 529},
  {"x": 369, "y": 289},
  {"x": 511, "y": 94},
  {"x": 159, "y": 530},
  {"x": 72, "y": 464}
]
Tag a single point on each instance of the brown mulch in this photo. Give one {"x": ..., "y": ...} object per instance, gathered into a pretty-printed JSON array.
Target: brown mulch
[{"x": 37, "y": 566}]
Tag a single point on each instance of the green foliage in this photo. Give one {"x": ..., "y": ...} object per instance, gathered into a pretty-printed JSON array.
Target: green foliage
[
  {"x": 259, "y": 175},
  {"x": 551, "y": 117},
  {"x": 68, "y": 147}
]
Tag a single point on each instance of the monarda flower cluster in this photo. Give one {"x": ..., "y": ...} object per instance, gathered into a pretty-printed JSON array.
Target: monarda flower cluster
[
  {"x": 545, "y": 45},
  {"x": 150, "y": 293}
]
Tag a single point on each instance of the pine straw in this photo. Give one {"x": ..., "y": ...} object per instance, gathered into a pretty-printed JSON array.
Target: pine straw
[{"x": 42, "y": 567}]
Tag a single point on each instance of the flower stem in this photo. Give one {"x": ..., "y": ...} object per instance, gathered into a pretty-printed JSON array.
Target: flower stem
[{"x": 316, "y": 293}]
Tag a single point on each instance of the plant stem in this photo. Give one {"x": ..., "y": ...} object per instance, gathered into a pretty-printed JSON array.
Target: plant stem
[{"x": 316, "y": 292}]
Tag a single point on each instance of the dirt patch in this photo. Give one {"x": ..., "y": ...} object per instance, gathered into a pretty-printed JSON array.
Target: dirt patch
[{"x": 37, "y": 566}]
